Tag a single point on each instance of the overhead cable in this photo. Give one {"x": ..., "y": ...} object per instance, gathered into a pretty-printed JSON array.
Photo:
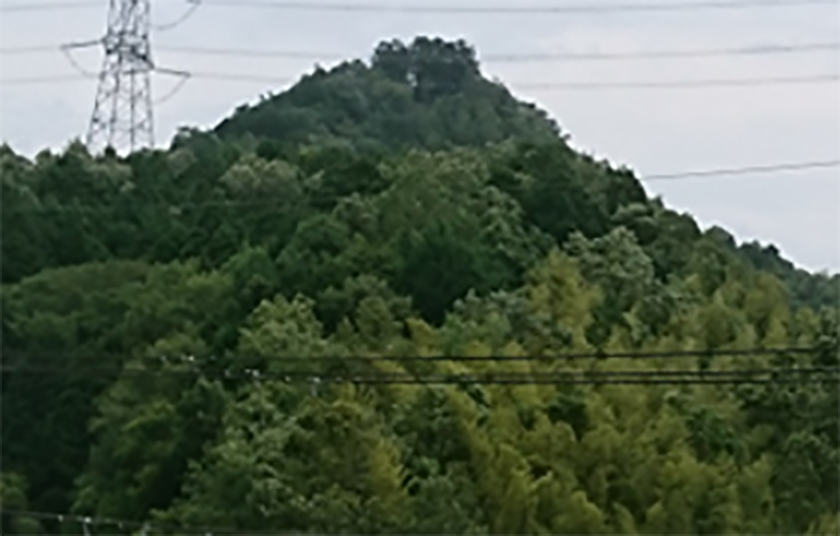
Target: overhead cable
[
  {"x": 176, "y": 209},
  {"x": 29, "y": 49},
  {"x": 680, "y": 84},
  {"x": 194, "y": 5},
  {"x": 208, "y": 366},
  {"x": 569, "y": 377},
  {"x": 91, "y": 522},
  {"x": 47, "y": 6},
  {"x": 535, "y": 86},
  {"x": 773, "y": 168},
  {"x": 36, "y": 80},
  {"x": 560, "y": 86},
  {"x": 519, "y": 9},
  {"x": 532, "y": 56},
  {"x": 563, "y": 356},
  {"x": 758, "y": 50},
  {"x": 382, "y": 7}
]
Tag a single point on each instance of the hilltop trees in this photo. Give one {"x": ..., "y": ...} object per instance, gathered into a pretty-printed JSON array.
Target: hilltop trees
[{"x": 429, "y": 94}]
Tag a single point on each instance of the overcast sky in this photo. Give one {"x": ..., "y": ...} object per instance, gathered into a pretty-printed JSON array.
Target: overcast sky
[{"x": 651, "y": 130}]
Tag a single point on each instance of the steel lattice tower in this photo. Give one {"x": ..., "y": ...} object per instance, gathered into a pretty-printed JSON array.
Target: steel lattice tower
[{"x": 122, "y": 113}]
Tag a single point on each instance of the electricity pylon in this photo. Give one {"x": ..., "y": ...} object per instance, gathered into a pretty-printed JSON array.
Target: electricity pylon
[{"x": 123, "y": 110}]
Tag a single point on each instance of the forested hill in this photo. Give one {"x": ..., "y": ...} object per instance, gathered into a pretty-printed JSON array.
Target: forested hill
[
  {"x": 164, "y": 307},
  {"x": 340, "y": 127},
  {"x": 430, "y": 94}
]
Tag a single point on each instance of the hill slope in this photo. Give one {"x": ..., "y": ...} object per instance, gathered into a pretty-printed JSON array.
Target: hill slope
[
  {"x": 431, "y": 94},
  {"x": 169, "y": 302}
]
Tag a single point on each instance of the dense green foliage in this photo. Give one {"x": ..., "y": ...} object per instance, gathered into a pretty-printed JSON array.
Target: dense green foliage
[
  {"x": 427, "y": 95},
  {"x": 407, "y": 208}
]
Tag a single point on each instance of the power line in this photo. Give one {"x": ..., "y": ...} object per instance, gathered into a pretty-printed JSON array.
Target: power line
[
  {"x": 536, "y": 57},
  {"x": 371, "y": 7},
  {"x": 177, "y": 209},
  {"x": 208, "y": 365},
  {"x": 664, "y": 54},
  {"x": 36, "y": 80},
  {"x": 567, "y": 377},
  {"x": 535, "y": 86},
  {"x": 51, "y": 6},
  {"x": 669, "y": 354},
  {"x": 584, "y": 377},
  {"x": 682, "y": 84},
  {"x": 775, "y": 168},
  {"x": 758, "y": 50},
  {"x": 581, "y": 8},
  {"x": 66, "y": 50},
  {"x": 194, "y": 5},
  {"x": 531, "y": 57},
  {"x": 31, "y": 49},
  {"x": 88, "y": 522},
  {"x": 47, "y": 6},
  {"x": 230, "y": 77},
  {"x": 560, "y": 86}
]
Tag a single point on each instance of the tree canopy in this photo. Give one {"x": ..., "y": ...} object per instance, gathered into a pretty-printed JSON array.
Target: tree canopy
[{"x": 408, "y": 207}]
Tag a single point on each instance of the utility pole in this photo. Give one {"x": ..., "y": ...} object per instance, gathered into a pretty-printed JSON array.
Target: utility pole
[{"x": 122, "y": 112}]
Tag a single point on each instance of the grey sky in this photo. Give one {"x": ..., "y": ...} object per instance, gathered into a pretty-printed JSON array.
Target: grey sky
[{"x": 651, "y": 130}]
